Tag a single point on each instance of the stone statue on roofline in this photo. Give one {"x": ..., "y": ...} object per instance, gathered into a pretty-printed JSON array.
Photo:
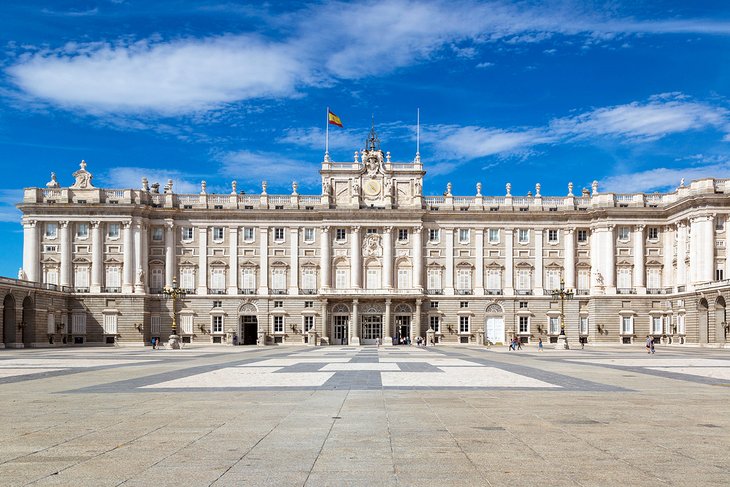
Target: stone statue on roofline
[
  {"x": 53, "y": 183},
  {"x": 83, "y": 178}
]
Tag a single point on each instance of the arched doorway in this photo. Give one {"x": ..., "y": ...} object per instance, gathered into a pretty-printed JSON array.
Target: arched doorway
[
  {"x": 703, "y": 321},
  {"x": 28, "y": 321},
  {"x": 720, "y": 320},
  {"x": 248, "y": 325},
  {"x": 340, "y": 324},
  {"x": 494, "y": 326},
  {"x": 9, "y": 324},
  {"x": 402, "y": 314}
]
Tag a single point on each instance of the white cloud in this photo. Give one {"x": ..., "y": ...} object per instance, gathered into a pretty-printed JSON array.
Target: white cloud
[
  {"x": 8, "y": 199},
  {"x": 180, "y": 76},
  {"x": 662, "y": 178},
  {"x": 249, "y": 166},
  {"x": 314, "y": 137},
  {"x": 131, "y": 177},
  {"x": 454, "y": 142}
]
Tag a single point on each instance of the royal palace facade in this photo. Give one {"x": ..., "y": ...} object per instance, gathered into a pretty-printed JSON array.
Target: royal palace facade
[{"x": 369, "y": 258}]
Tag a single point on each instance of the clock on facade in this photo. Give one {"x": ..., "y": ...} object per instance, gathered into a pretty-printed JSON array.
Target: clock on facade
[{"x": 372, "y": 187}]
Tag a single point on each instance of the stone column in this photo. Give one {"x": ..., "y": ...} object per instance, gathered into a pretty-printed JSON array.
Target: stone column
[
  {"x": 569, "y": 245},
  {"x": 137, "y": 229},
  {"x": 128, "y": 267},
  {"x": 387, "y": 328},
  {"x": 639, "y": 273},
  {"x": 233, "y": 260},
  {"x": 325, "y": 261},
  {"x": 509, "y": 252},
  {"x": 449, "y": 267},
  {"x": 708, "y": 249},
  {"x": 202, "y": 260},
  {"x": 170, "y": 270},
  {"x": 388, "y": 257},
  {"x": 263, "y": 260},
  {"x": 668, "y": 237},
  {"x": 97, "y": 257},
  {"x": 65, "y": 242},
  {"x": 354, "y": 324},
  {"x": 31, "y": 250},
  {"x": 479, "y": 275},
  {"x": 325, "y": 330},
  {"x": 609, "y": 251},
  {"x": 294, "y": 261},
  {"x": 539, "y": 265},
  {"x": 416, "y": 325},
  {"x": 355, "y": 258},
  {"x": 681, "y": 253},
  {"x": 418, "y": 257}
]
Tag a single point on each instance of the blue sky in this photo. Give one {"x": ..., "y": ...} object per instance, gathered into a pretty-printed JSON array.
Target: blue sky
[{"x": 635, "y": 97}]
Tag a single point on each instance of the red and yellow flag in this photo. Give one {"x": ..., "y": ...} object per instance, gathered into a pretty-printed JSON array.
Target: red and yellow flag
[{"x": 334, "y": 119}]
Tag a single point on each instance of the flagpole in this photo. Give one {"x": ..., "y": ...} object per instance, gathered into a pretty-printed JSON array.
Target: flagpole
[
  {"x": 418, "y": 130},
  {"x": 327, "y": 134}
]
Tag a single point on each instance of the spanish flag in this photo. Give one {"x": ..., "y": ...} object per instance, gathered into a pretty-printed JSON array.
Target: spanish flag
[{"x": 334, "y": 119}]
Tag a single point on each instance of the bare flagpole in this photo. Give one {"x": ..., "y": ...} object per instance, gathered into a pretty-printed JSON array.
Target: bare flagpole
[
  {"x": 327, "y": 135},
  {"x": 418, "y": 135}
]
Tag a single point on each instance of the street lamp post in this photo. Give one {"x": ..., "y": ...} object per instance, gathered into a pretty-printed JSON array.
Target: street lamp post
[
  {"x": 562, "y": 294},
  {"x": 175, "y": 293}
]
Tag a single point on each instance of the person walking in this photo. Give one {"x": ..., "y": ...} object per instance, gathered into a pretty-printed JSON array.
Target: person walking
[
  {"x": 649, "y": 344},
  {"x": 539, "y": 345},
  {"x": 518, "y": 342}
]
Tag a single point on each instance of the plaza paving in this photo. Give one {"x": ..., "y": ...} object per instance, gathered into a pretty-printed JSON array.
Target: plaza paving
[{"x": 371, "y": 416}]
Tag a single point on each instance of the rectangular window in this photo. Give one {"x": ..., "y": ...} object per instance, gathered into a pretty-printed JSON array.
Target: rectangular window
[
  {"x": 719, "y": 273},
  {"x": 720, "y": 224},
  {"x": 583, "y": 325},
  {"x": 278, "y": 278},
  {"x": 372, "y": 231},
  {"x": 187, "y": 234},
  {"x": 523, "y": 235},
  {"x": 464, "y": 324},
  {"x": 82, "y": 230},
  {"x": 402, "y": 234},
  {"x": 463, "y": 304},
  {"x": 217, "y": 304},
  {"x": 217, "y": 234},
  {"x": 51, "y": 324},
  {"x": 523, "y": 304},
  {"x": 653, "y": 233},
  {"x": 553, "y": 279},
  {"x": 404, "y": 278},
  {"x": 434, "y": 322},
  {"x": 278, "y": 234},
  {"x": 309, "y": 304},
  {"x": 156, "y": 278},
  {"x": 248, "y": 278},
  {"x": 493, "y": 235},
  {"x": 112, "y": 230},
  {"x": 155, "y": 325},
  {"x": 340, "y": 234},
  {"x": 582, "y": 236},
  {"x": 341, "y": 279},
  {"x": 110, "y": 324},
  {"x": 81, "y": 277},
  {"x": 113, "y": 279},
  {"x": 494, "y": 279},
  {"x": 309, "y": 278},
  {"x": 680, "y": 325},
  {"x": 217, "y": 324},
  {"x": 52, "y": 276},
  {"x": 78, "y": 324},
  {"x": 624, "y": 278},
  {"x": 308, "y": 323},
  {"x": 656, "y": 325},
  {"x": 434, "y": 279},
  {"x": 653, "y": 278},
  {"x": 372, "y": 278},
  {"x": 433, "y": 235},
  {"x": 463, "y": 279},
  {"x": 523, "y": 280},
  {"x": 584, "y": 279},
  {"x": 464, "y": 235},
  {"x": 187, "y": 278},
  {"x": 51, "y": 230},
  {"x": 623, "y": 233},
  {"x": 248, "y": 234},
  {"x": 627, "y": 325},
  {"x": 552, "y": 236},
  {"x": 554, "y": 325},
  {"x": 218, "y": 279},
  {"x": 434, "y": 304},
  {"x": 157, "y": 234},
  {"x": 309, "y": 234},
  {"x": 278, "y": 324},
  {"x": 524, "y": 324},
  {"x": 278, "y": 304},
  {"x": 186, "y": 324}
]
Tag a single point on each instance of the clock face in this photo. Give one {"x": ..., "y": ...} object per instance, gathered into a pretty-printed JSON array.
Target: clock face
[{"x": 372, "y": 187}]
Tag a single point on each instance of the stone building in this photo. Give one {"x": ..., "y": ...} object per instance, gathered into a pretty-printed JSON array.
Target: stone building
[{"x": 369, "y": 258}]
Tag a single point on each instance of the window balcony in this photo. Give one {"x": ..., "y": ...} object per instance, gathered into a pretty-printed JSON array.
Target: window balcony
[
  {"x": 658, "y": 290},
  {"x": 523, "y": 292},
  {"x": 189, "y": 291},
  {"x": 247, "y": 291},
  {"x": 278, "y": 291},
  {"x": 464, "y": 292},
  {"x": 582, "y": 292},
  {"x": 81, "y": 290},
  {"x": 216, "y": 291},
  {"x": 112, "y": 289},
  {"x": 494, "y": 292},
  {"x": 625, "y": 290},
  {"x": 155, "y": 290},
  {"x": 307, "y": 291},
  {"x": 435, "y": 291}
]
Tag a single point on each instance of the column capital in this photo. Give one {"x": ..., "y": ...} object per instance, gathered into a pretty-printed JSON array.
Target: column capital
[
  {"x": 355, "y": 302},
  {"x": 233, "y": 229},
  {"x": 387, "y": 229},
  {"x": 63, "y": 223},
  {"x": 640, "y": 227},
  {"x": 569, "y": 231},
  {"x": 325, "y": 228},
  {"x": 418, "y": 228},
  {"x": 356, "y": 228},
  {"x": 29, "y": 223},
  {"x": 388, "y": 301},
  {"x": 170, "y": 224},
  {"x": 95, "y": 224},
  {"x": 126, "y": 224}
]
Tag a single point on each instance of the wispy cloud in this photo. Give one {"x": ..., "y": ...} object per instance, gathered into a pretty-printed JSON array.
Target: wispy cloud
[
  {"x": 663, "y": 178},
  {"x": 131, "y": 177},
  {"x": 8, "y": 199},
  {"x": 254, "y": 167},
  {"x": 189, "y": 75}
]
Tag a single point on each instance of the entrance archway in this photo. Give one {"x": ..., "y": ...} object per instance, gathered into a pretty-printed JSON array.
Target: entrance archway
[
  {"x": 28, "y": 321},
  {"x": 703, "y": 321},
  {"x": 9, "y": 324},
  {"x": 248, "y": 325},
  {"x": 720, "y": 320},
  {"x": 494, "y": 325},
  {"x": 340, "y": 324},
  {"x": 403, "y": 314}
]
